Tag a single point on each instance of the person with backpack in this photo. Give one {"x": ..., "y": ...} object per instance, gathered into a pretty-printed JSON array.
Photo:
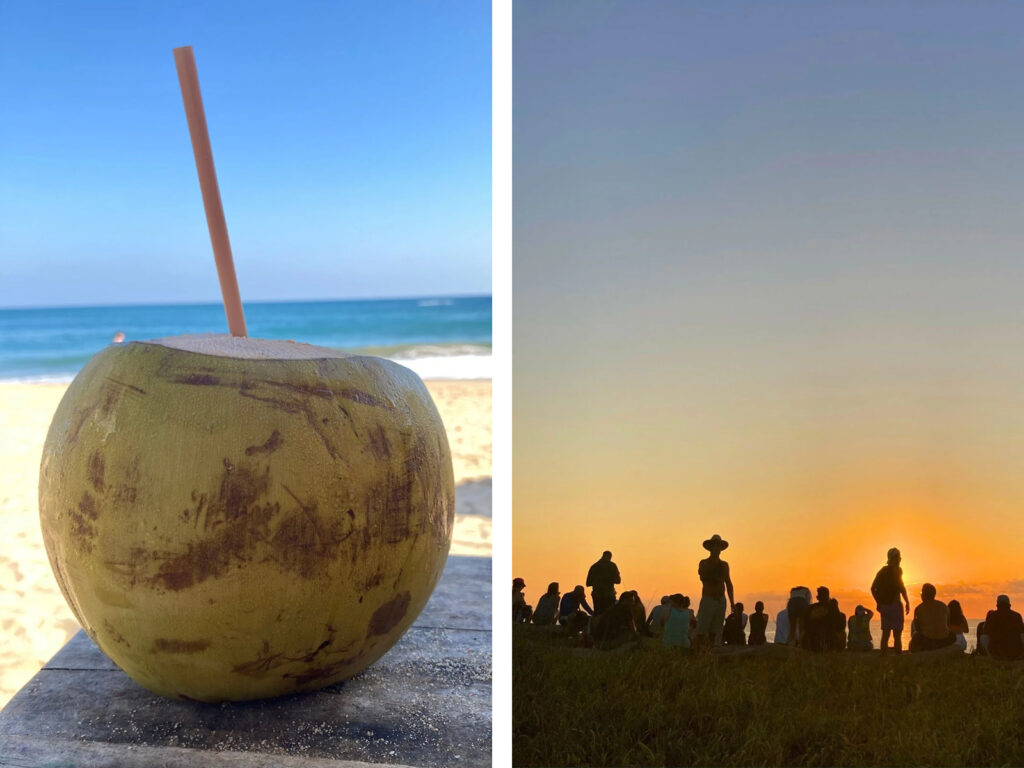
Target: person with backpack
[{"x": 887, "y": 589}]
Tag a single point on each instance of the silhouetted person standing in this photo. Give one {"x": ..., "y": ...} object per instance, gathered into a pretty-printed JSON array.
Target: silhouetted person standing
[
  {"x": 1005, "y": 630},
  {"x": 887, "y": 588},
  {"x": 714, "y": 577},
  {"x": 602, "y": 578}
]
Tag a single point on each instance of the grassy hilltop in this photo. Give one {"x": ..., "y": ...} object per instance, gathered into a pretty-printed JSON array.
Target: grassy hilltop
[{"x": 652, "y": 706}]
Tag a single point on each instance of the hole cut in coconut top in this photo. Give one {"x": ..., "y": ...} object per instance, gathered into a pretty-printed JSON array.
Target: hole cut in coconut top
[{"x": 245, "y": 348}]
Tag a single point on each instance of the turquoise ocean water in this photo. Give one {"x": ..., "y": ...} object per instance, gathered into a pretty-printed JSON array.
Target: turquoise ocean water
[{"x": 438, "y": 337}]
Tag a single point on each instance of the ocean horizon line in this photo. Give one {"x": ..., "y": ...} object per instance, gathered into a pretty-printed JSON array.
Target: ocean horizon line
[
  {"x": 437, "y": 336},
  {"x": 260, "y": 302}
]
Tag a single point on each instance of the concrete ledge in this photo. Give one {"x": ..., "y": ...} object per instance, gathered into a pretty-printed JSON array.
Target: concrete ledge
[
  {"x": 427, "y": 703},
  {"x": 37, "y": 752}
]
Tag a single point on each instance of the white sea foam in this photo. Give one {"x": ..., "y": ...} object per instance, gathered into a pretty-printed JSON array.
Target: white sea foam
[
  {"x": 429, "y": 350},
  {"x": 50, "y": 378},
  {"x": 435, "y": 303},
  {"x": 449, "y": 366}
]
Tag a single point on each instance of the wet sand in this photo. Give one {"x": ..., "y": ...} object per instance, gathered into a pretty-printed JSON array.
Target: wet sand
[{"x": 34, "y": 619}]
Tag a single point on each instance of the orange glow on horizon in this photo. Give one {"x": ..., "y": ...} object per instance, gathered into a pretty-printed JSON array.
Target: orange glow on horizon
[
  {"x": 814, "y": 425},
  {"x": 768, "y": 555}
]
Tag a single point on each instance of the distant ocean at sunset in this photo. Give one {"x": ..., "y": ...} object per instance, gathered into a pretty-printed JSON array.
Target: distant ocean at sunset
[
  {"x": 438, "y": 337},
  {"x": 876, "y": 633}
]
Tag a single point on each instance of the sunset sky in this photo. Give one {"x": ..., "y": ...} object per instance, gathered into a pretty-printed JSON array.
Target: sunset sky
[{"x": 768, "y": 271}]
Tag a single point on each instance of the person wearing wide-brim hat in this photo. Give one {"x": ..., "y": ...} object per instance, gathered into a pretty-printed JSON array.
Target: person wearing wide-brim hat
[
  {"x": 715, "y": 542},
  {"x": 714, "y": 576}
]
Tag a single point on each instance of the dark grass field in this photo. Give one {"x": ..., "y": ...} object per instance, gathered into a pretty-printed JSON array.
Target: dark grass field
[{"x": 651, "y": 706}]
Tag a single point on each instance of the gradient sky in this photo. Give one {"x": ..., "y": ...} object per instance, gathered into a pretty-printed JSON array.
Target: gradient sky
[
  {"x": 768, "y": 273},
  {"x": 352, "y": 145}
]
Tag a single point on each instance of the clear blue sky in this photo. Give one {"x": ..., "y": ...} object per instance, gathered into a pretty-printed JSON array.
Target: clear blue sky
[{"x": 352, "y": 144}]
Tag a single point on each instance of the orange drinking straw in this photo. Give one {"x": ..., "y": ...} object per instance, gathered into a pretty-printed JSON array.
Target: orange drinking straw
[{"x": 189, "y": 80}]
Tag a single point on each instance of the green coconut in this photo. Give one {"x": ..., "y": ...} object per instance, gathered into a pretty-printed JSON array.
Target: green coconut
[{"x": 238, "y": 518}]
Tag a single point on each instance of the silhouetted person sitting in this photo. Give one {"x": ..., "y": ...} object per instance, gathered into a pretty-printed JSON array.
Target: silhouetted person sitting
[
  {"x": 859, "y": 638},
  {"x": 615, "y": 626},
  {"x": 981, "y": 640},
  {"x": 930, "y": 628},
  {"x": 796, "y": 614},
  {"x": 735, "y": 624},
  {"x": 716, "y": 583},
  {"x": 958, "y": 624},
  {"x": 521, "y": 612},
  {"x": 758, "y": 624},
  {"x": 659, "y": 615},
  {"x": 602, "y": 578},
  {"x": 1005, "y": 631},
  {"x": 639, "y": 612},
  {"x": 887, "y": 588},
  {"x": 546, "y": 613},
  {"x": 574, "y": 610},
  {"x": 782, "y": 627},
  {"x": 820, "y": 624},
  {"x": 678, "y": 623},
  {"x": 838, "y": 623}
]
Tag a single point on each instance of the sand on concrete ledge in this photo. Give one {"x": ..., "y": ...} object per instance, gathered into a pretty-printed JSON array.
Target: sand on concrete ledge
[{"x": 35, "y": 621}]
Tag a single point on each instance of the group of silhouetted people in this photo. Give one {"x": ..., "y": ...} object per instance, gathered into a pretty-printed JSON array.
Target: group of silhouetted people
[{"x": 818, "y": 625}]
